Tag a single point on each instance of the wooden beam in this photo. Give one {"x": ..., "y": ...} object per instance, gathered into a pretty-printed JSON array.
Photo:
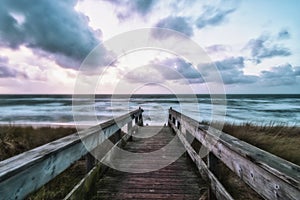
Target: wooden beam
[
  {"x": 129, "y": 130},
  {"x": 90, "y": 162},
  {"x": 270, "y": 176},
  {"x": 25, "y": 173},
  {"x": 217, "y": 188},
  {"x": 84, "y": 190},
  {"x": 212, "y": 163}
]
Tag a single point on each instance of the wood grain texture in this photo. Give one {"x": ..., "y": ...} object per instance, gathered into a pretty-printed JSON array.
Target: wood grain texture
[
  {"x": 215, "y": 186},
  {"x": 179, "y": 180},
  {"x": 25, "y": 173},
  {"x": 267, "y": 174},
  {"x": 85, "y": 189}
]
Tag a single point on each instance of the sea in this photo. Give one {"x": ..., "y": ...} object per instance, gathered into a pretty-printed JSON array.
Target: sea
[{"x": 59, "y": 110}]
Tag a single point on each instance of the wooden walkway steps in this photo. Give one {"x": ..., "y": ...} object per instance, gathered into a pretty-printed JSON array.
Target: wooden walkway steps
[{"x": 180, "y": 180}]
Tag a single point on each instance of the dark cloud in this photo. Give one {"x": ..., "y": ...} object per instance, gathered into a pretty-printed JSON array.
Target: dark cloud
[
  {"x": 54, "y": 27},
  {"x": 176, "y": 69},
  {"x": 297, "y": 71},
  {"x": 142, "y": 6},
  {"x": 6, "y": 72},
  {"x": 280, "y": 75},
  {"x": 9, "y": 72},
  {"x": 230, "y": 63},
  {"x": 129, "y": 8},
  {"x": 180, "y": 70},
  {"x": 179, "y": 24},
  {"x": 212, "y": 16},
  {"x": 235, "y": 76},
  {"x": 3, "y": 59},
  {"x": 262, "y": 47},
  {"x": 172, "y": 69},
  {"x": 284, "y": 34},
  {"x": 230, "y": 69}
]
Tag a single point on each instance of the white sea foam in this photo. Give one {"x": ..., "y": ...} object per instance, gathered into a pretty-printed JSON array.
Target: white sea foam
[{"x": 57, "y": 110}]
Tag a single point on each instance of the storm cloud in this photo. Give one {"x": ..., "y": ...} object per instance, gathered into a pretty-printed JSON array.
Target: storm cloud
[
  {"x": 181, "y": 70},
  {"x": 263, "y": 47},
  {"x": 8, "y": 72},
  {"x": 180, "y": 24},
  {"x": 169, "y": 69},
  {"x": 230, "y": 69},
  {"x": 297, "y": 70},
  {"x": 51, "y": 28},
  {"x": 128, "y": 8},
  {"x": 176, "y": 69},
  {"x": 280, "y": 75}
]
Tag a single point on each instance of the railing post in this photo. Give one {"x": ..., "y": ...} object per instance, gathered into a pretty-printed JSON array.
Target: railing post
[
  {"x": 129, "y": 130},
  {"x": 170, "y": 117},
  {"x": 140, "y": 118},
  {"x": 212, "y": 162},
  {"x": 178, "y": 125},
  {"x": 174, "y": 121},
  {"x": 57, "y": 156},
  {"x": 90, "y": 162},
  {"x": 118, "y": 136}
]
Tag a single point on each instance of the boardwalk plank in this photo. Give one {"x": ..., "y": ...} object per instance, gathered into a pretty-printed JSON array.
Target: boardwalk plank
[{"x": 179, "y": 180}]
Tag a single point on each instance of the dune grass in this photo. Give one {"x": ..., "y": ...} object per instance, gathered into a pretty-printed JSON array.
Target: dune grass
[
  {"x": 281, "y": 140},
  {"x": 17, "y": 139},
  {"x": 60, "y": 186},
  {"x": 278, "y": 139}
]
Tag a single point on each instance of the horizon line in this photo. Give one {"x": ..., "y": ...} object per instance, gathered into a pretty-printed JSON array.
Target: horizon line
[{"x": 156, "y": 94}]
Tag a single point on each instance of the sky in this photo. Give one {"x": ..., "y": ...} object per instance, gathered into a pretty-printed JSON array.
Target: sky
[{"x": 253, "y": 44}]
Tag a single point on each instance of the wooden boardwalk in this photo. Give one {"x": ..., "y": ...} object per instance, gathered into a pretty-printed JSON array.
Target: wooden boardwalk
[
  {"x": 179, "y": 180},
  {"x": 158, "y": 163}
]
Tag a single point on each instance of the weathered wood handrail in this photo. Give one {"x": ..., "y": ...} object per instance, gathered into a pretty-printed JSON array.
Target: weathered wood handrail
[
  {"x": 270, "y": 176},
  {"x": 26, "y": 172},
  {"x": 85, "y": 189}
]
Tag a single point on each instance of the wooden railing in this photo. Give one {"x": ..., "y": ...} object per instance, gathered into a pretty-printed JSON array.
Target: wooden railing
[
  {"x": 270, "y": 176},
  {"x": 25, "y": 173}
]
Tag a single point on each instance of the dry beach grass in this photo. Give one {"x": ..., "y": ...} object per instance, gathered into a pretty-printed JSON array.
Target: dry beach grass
[
  {"x": 17, "y": 139},
  {"x": 280, "y": 140}
]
